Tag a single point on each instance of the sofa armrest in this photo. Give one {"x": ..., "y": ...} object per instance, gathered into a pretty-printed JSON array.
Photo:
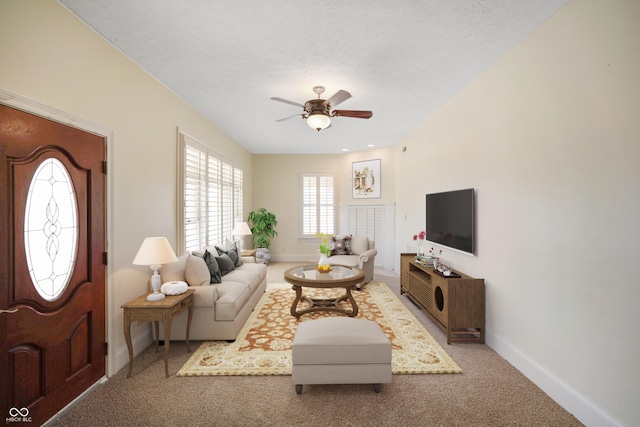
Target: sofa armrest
[
  {"x": 248, "y": 259},
  {"x": 365, "y": 256},
  {"x": 205, "y": 295}
]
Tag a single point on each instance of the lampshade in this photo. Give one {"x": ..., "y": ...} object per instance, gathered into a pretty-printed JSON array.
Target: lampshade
[
  {"x": 318, "y": 121},
  {"x": 155, "y": 251},
  {"x": 241, "y": 229}
]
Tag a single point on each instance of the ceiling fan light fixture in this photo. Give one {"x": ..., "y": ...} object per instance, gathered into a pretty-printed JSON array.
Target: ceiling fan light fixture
[
  {"x": 318, "y": 113},
  {"x": 318, "y": 121}
]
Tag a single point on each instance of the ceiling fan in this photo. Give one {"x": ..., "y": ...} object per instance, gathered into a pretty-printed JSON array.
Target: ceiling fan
[{"x": 318, "y": 112}]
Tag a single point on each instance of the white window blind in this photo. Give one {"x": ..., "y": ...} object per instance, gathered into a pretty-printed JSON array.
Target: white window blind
[
  {"x": 318, "y": 204},
  {"x": 211, "y": 195}
]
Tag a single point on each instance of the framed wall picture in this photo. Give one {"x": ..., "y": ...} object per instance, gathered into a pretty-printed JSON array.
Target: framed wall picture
[{"x": 365, "y": 179}]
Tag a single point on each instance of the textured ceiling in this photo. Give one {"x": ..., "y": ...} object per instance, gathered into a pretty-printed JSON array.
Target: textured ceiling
[{"x": 401, "y": 59}]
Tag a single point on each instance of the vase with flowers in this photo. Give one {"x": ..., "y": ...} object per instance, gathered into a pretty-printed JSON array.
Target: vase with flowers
[
  {"x": 419, "y": 239},
  {"x": 325, "y": 251},
  {"x": 434, "y": 254},
  {"x": 435, "y": 257}
]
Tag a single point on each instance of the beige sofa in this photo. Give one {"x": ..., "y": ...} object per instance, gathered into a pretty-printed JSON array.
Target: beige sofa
[
  {"x": 363, "y": 253},
  {"x": 220, "y": 309}
]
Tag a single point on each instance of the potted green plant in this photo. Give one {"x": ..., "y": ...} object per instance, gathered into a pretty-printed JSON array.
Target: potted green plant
[{"x": 263, "y": 225}]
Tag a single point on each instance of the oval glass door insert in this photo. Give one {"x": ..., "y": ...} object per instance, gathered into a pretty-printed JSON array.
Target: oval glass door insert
[{"x": 51, "y": 229}]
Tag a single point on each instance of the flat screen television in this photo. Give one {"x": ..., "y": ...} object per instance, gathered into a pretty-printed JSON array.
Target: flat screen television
[{"x": 451, "y": 219}]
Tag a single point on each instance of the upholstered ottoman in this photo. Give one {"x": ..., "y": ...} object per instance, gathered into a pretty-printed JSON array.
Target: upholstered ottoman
[{"x": 340, "y": 350}]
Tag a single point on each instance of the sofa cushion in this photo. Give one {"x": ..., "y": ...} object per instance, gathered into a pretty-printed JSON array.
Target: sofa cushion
[
  {"x": 225, "y": 263},
  {"x": 246, "y": 277},
  {"x": 233, "y": 254},
  {"x": 196, "y": 272},
  {"x": 346, "y": 260},
  {"x": 205, "y": 296},
  {"x": 359, "y": 245},
  {"x": 232, "y": 297},
  {"x": 174, "y": 271},
  {"x": 259, "y": 268},
  {"x": 214, "y": 268},
  {"x": 340, "y": 341},
  {"x": 341, "y": 245}
]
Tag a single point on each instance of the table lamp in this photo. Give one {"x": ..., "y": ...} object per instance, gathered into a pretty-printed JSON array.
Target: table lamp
[
  {"x": 154, "y": 252},
  {"x": 241, "y": 229}
]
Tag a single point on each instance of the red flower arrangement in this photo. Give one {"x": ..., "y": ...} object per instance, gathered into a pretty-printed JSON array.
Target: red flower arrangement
[
  {"x": 421, "y": 235},
  {"x": 419, "y": 239}
]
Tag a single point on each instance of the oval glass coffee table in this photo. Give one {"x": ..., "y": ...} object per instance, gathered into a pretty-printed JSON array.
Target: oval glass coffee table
[{"x": 339, "y": 277}]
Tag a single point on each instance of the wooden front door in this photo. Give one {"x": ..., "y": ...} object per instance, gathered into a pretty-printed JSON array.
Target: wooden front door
[{"x": 52, "y": 273}]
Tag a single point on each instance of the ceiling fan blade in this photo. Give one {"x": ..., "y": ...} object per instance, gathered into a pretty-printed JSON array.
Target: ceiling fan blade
[
  {"x": 287, "y": 102},
  {"x": 287, "y": 118},
  {"x": 358, "y": 114},
  {"x": 340, "y": 96}
]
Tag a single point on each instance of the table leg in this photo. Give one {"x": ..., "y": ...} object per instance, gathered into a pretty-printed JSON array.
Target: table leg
[
  {"x": 167, "y": 340},
  {"x": 156, "y": 326},
  {"x": 294, "y": 312},
  {"x": 354, "y": 306},
  {"x": 127, "y": 338},
  {"x": 190, "y": 309}
]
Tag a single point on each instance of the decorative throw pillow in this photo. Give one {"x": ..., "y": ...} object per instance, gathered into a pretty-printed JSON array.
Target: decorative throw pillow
[
  {"x": 233, "y": 254},
  {"x": 225, "y": 264},
  {"x": 196, "y": 272},
  {"x": 214, "y": 268},
  {"x": 174, "y": 271},
  {"x": 341, "y": 245},
  {"x": 359, "y": 245}
]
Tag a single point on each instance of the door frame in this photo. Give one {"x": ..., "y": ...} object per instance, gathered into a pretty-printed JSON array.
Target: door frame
[{"x": 30, "y": 106}]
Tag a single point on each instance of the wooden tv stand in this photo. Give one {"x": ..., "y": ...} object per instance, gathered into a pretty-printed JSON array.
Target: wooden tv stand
[{"x": 455, "y": 304}]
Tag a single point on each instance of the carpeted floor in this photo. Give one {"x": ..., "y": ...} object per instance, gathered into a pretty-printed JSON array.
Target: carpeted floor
[{"x": 490, "y": 392}]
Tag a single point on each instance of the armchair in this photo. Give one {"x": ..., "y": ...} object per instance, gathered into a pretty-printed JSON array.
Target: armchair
[{"x": 363, "y": 253}]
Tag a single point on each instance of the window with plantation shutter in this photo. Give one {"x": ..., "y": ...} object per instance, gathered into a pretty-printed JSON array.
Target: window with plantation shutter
[
  {"x": 210, "y": 193},
  {"x": 318, "y": 204}
]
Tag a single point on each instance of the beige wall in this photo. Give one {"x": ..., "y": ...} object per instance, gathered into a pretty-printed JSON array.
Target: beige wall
[
  {"x": 549, "y": 138},
  {"x": 276, "y": 188},
  {"x": 50, "y": 56}
]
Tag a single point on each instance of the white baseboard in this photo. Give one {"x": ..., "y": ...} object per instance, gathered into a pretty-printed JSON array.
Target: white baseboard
[
  {"x": 139, "y": 343},
  {"x": 293, "y": 258},
  {"x": 575, "y": 403}
]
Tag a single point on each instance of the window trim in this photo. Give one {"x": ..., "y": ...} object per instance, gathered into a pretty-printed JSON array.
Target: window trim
[
  {"x": 184, "y": 140},
  {"x": 317, "y": 175}
]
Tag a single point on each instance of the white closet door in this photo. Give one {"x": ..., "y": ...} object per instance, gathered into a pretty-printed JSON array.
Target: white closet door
[{"x": 371, "y": 221}]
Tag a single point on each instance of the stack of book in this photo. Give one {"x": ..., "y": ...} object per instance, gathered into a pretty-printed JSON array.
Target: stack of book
[{"x": 424, "y": 260}]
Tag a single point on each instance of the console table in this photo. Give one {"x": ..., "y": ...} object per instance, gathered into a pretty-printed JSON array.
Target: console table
[
  {"x": 457, "y": 305},
  {"x": 248, "y": 252},
  {"x": 157, "y": 311}
]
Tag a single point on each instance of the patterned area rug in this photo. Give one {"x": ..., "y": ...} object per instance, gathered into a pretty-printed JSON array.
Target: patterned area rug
[{"x": 263, "y": 346}]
